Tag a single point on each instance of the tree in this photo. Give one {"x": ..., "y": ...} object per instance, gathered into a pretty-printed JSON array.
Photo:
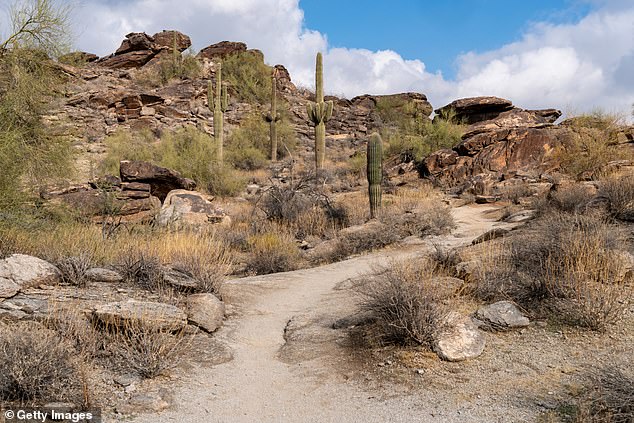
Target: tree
[
  {"x": 29, "y": 80},
  {"x": 39, "y": 25}
]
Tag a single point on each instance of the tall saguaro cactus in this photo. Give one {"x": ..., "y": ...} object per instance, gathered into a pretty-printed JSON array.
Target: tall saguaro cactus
[
  {"x": 273, "y": 117},
  {"x": 218, "y": 105},
  {"x": 319, "y": 113},
  {"x": 375, "y": 172}
]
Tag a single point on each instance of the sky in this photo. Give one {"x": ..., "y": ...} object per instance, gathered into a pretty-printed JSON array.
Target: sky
[{"x": 574, "y": 55}]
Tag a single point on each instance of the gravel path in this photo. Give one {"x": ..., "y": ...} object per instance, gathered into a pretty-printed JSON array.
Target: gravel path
[{"x": 262, "y": 385}]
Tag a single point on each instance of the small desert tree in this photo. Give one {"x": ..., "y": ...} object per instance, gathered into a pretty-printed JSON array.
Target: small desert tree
[{"x": 28, "y": 81}]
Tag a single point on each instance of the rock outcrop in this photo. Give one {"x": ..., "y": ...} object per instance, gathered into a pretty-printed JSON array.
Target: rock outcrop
[
  {"x": 222, "y": 50},
  {"x": 159, "y": 179},
  {"x": 139, "y": 48},
  {"x": 188, "y": 208},
  {"x": 501, "y": 140},
  {"x": 20, "y": 271}
]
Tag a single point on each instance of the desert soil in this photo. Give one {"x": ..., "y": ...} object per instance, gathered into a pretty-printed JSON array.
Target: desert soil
[{"x": 289, "y": 365}]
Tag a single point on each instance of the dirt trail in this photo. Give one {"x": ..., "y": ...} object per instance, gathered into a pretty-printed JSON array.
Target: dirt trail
[{"x": 262, "y": 384}]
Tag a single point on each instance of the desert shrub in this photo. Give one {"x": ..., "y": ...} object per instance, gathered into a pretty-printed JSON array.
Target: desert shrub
[
  {"x": 208, "y": 267},
  {"x": 187, "y": 150},
  {"x": 141, "y": 268},
  {"x": 145, "y": 349},
  {"x": 253, "y": 135},
  {"x": 31, "y": 154},
  {"x": 181, "y": 66},
  {"x": 73, "y": 269},
  {"x": 415, "y": 139},
  {"x": 619, "y": 194},
  {"x": 37, "y": 366},
  {"x": 272, "y": 253},
  {"x": 407, "y": 306},
  {"x": 568, "y": 264},
  {"x": 609, "y": 397},
  {"x": 248, "y": 77},
  {"x": 573, "y": 198},
  {"x": 592, "y": 145},
  {"x": 373, "y": 236}
]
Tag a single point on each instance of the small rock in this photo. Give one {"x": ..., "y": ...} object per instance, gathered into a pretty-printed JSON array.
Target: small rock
[
  {"x": 25, "y": 272},
  {"x": 158, "y": 315},
  {"x": 144, "y": 403},
  {"x": 99, "y": 274},
  {"x": 521, "y": 216},
  {"x": 205, "y": 311},
  {"x": 490, "y": 235},
  {"x": 461, "y": 340},
  {"x": 126, "y": 379},
  {"x": 179, "y": 280},
  {"x": 502, "y": 315}
]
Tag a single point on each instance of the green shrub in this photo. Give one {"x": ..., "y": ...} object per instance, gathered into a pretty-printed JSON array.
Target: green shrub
[
  {"x": 248, "y": 77},
  {"x": 30, "y": 154},
  {"x": 186, "y": 150},
  {"x": 253, "y": 134},
  {"x": 185, "y": 66}
]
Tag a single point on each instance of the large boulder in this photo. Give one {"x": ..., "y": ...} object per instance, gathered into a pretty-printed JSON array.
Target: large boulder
[
  {"x": 222, "y": 50},
  {"x": 99, "y": 204},
  {"x": 139, "y": 48},
  {"x": 160, "y": 179},
  {"x": 21, "y": 271},
  {"x": 133, "y": 313},
  {"x": 475, "y": 109},
  {"x": 188, "y": 208},
  {"x": 205, "y": 311}
]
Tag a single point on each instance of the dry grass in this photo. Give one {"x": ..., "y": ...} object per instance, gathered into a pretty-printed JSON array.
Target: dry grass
[
  {"x": 610, "y": 397},
  {"x": 408, "y": 308},
  {"x": 619, "y": 195},
  {"x": 38, "y": 366},
  {"x": 569, "y": 265},
  {"x": 272, "y": 253}
]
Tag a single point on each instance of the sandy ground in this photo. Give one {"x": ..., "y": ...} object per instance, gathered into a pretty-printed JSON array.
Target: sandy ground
[{"x": 289, "y": 365}]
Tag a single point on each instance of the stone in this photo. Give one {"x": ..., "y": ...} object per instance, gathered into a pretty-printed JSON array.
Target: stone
[
  {"x": 180, "y": 280},
  {"x": 502, "y": 315},
  {"x": 151, "y": 402},
  {"x": 99, "y": 274},
  {"x": 475, "y": 109},
  {"x": 20, "y": 271},
  {"x": 167, "y": 39},
  {"x": 205, "y": 311},
  {"x": 459, "y": 340},
  {"x": 490, "y": 235},
  {"x": 133, "y": 59},
  {"x": 132, "y": 312},
  {"x": 222, "y": 50},
  {"x": 94, "y": 202},
  {"x": 77, "y": 57},
  {"x": 188, "y": 208},
  {"x": 160, "y": 179}
]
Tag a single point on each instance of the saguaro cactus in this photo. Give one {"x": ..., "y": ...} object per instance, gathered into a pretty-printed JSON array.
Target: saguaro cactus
[
  {"x": 218, "y": 105},
  {"x": 273, "y": 117},
  {"x": 375, "y": 172},
  {"x": 319, "y": 113}
]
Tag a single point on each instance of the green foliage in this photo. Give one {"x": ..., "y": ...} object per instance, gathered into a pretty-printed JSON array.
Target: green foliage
[
  {"x": 30, "y": 155},
  {"x": 185, "y": 66},
  {"x": 416, "y": 138},
  {"x": 375, "y": 172},
  {"x": 186, "y": 150},
  {"x": 591, "y": 146},
  {"x": 247, "y": 74},
  {"x": 248, "y": 145}
]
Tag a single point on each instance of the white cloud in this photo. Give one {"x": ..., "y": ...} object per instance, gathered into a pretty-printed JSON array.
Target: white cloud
[{"x": 582, "y": 65}]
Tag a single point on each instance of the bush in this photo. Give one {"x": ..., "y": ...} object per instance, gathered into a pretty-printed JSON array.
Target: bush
[
  {"x": 181, "y": 66},
  {"x": 619, "y": 194},
  {"x": 610, "y": 397},
  {"x": 570, "y": 264},
  {"x": 73, "y": 269},
  {"x": 187, "y": 150},
  {"x": 248, "y": 77},
  {"x": 592, "y": 145},
  {"x": 37, "y": 366},
  {"x": 253, "y": 135},
  {"x": 272, "y": 253},
  {"x": 145, "y": 350},
  {"x": 407, "y": 306}
]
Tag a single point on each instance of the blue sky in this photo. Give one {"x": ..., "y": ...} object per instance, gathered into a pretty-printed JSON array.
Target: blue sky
[
  {"x": 574, "y": 55},
  {"x": 436, "y": 32}
]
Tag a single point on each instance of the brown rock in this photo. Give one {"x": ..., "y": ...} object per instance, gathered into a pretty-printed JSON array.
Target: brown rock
[
  {"x": 222, "y": 49},
  {"x": 205, "y": 311},
  {"x": 514, "y": 118},
  {"x": 135, "y": 41},
  {"x": 188, "y": 208},
  {"x": 166, "y": 39},
  {"x": 132, "y": 59},
  {"x": 157, "y": 315},
  {"x": 78, "y": 57},
  {"x": 475, "y": 109},
  {"x": 160, "y": 179}
]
